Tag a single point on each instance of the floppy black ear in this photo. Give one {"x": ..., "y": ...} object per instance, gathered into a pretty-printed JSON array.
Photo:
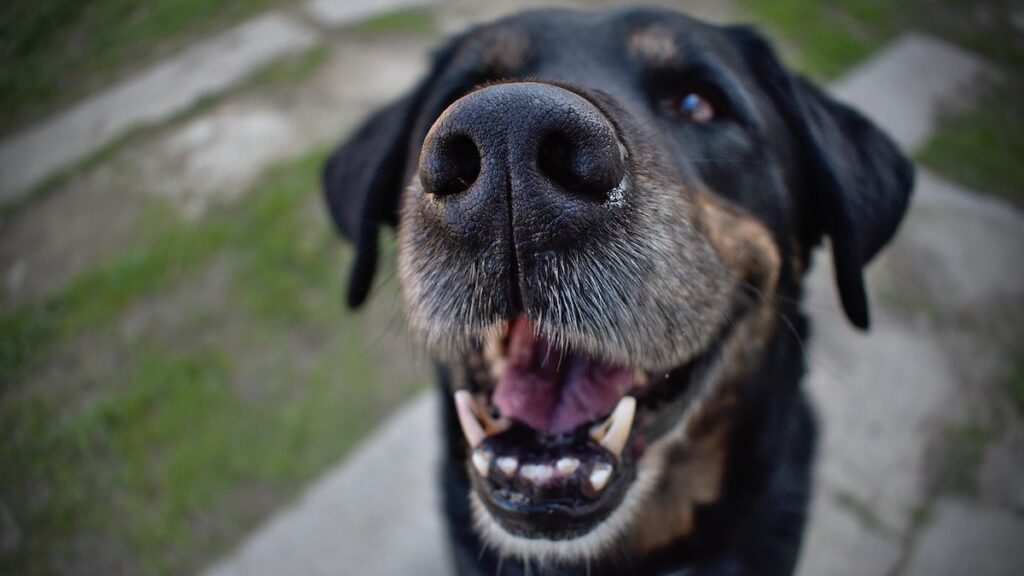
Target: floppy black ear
[
  {"x": 858, "y": 182},
  {"x": 363, "y": 178}
]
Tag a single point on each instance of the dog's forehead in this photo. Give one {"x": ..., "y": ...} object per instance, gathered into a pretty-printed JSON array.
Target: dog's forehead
[{"x": 559, "y": 43}]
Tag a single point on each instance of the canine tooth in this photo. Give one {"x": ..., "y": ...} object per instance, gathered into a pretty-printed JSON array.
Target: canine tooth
[
  {"x": 537, "y": 473},
  {"x": 471, "y": 428},
  {"x": 613, "y": 432},
  {"x": 567, "y": 465},
  {"x": 508, "y": 465},
  {"x": 482, "y": 462},
  {"x": 599, "y": 476},
  {"x": 477, "y": 424}
]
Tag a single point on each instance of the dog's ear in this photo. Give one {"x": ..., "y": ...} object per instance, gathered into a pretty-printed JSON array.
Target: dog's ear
[
  {"x": 363, "y": 178},
  {"x": 858, "y": 182}
]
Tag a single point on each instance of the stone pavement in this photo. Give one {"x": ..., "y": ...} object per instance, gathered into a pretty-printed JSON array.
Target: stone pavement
[
  {"x": 376, "y": 514},
  {"x": 886, "y": 398}
]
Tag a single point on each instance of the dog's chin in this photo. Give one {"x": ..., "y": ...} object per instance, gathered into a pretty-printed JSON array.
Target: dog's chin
[{"x": 565, "y": 449}]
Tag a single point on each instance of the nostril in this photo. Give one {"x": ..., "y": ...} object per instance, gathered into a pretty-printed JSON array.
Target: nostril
[
  {"x": 449, "y": 165},
  {"x": 588, "y": 168}
]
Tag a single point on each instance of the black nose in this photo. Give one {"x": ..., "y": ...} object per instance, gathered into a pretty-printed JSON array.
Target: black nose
[{"x": 523, "y": 134}]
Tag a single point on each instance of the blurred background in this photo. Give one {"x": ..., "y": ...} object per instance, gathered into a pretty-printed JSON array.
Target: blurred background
[{"x": 176, "y": 365}]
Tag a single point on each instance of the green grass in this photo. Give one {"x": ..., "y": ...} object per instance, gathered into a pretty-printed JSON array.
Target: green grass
[
  {"x": 93, "y": 298},
  {"x": 960, "y": 458},
  {"x": 830, "y": 36},
  {"x": 173, "y": 452},
  {"x": 288, "y": 70},
  {"x": 1013, "y": 383},
  {"x": 54, "y": 52},
  {"x": 861, "y": 510},
  {"x": 141, "y": 467},
  {"x": 982, "y": 147},
  {"x": 170, "y": 250},
  {"x": 402, "y": 21}
]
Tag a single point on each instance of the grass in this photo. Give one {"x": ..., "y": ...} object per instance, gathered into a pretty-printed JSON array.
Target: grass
[
  {"x": 833, "y": 35},
  {"x": 982, "y": 146},
  {"x": 54, "y": 52},
  {"x": 170, "y": 250},
  {"x": 287, "y": 70},
  {"x": 99, "y": 294},
  {"x": 1013, "y": 383},
  {"x": 861, "y": 510},
  {"x": 196, "y": 432},
  {"x": 830, "y": 36},
  {"x": 411, "y": 21},
  {"x": 142, "y": 467},
  {"x": 961, "y": 457}
]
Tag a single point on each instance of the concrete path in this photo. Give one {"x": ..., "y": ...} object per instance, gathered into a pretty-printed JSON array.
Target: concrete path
[
  {"x": 886, "y": 399},
  {"x": 923, "y": 72},
  {"x": 377, "y": 514}
]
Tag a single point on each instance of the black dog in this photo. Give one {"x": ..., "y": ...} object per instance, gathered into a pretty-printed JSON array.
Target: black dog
[{"x": 603, "y": 225}]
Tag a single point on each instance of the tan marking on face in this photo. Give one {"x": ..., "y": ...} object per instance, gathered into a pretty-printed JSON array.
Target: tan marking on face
[
  {"x": 502, "y": 50},
  {"x": 743, "y": 243},
  {"x": 692, "y": 476},
  {"x": 655, "y": 44},
  {"x": 694, "y": 469}
]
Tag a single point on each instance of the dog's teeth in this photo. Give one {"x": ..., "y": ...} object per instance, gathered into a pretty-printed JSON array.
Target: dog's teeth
[
  {"x": 508, "y": 465},
  {"x": 613, "y": 432},
  {"x": 567, "y": 465},
  {"x": 476, "y": 424},
  {"x": 482, "y": 462},
  {"x": 599, "y": 476},
  {"x": 464, "y": 406},
  {"x": 537, "y": 473}
]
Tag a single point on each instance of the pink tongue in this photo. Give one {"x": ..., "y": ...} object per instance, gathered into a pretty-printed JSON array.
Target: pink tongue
[{"x": 554, "y": 391}]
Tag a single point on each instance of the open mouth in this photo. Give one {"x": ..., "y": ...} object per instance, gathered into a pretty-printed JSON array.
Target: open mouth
[{"x": 555, "y": 434}]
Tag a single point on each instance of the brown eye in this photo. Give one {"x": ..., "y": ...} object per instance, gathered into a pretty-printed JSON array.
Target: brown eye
[{"x": 695, "y": 108}]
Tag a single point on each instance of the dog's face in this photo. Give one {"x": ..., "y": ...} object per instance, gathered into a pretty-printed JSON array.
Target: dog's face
[{"x": 600, "y": 217}]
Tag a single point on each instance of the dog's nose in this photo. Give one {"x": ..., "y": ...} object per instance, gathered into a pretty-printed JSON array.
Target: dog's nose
[{"x": 543, "y": 146}]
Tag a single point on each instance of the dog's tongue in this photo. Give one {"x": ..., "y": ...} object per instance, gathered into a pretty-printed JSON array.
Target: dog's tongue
[{"x": 551, "y": 390}]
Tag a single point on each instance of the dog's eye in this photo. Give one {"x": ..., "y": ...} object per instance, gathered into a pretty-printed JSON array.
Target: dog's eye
[{"x": 695, "y": 108}]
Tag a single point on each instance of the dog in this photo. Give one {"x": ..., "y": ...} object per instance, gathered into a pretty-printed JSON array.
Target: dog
[{"x": 603, "y": 222}]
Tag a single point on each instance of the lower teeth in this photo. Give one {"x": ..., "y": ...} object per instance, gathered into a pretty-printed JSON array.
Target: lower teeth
[{"x": 539, "y": 475}]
